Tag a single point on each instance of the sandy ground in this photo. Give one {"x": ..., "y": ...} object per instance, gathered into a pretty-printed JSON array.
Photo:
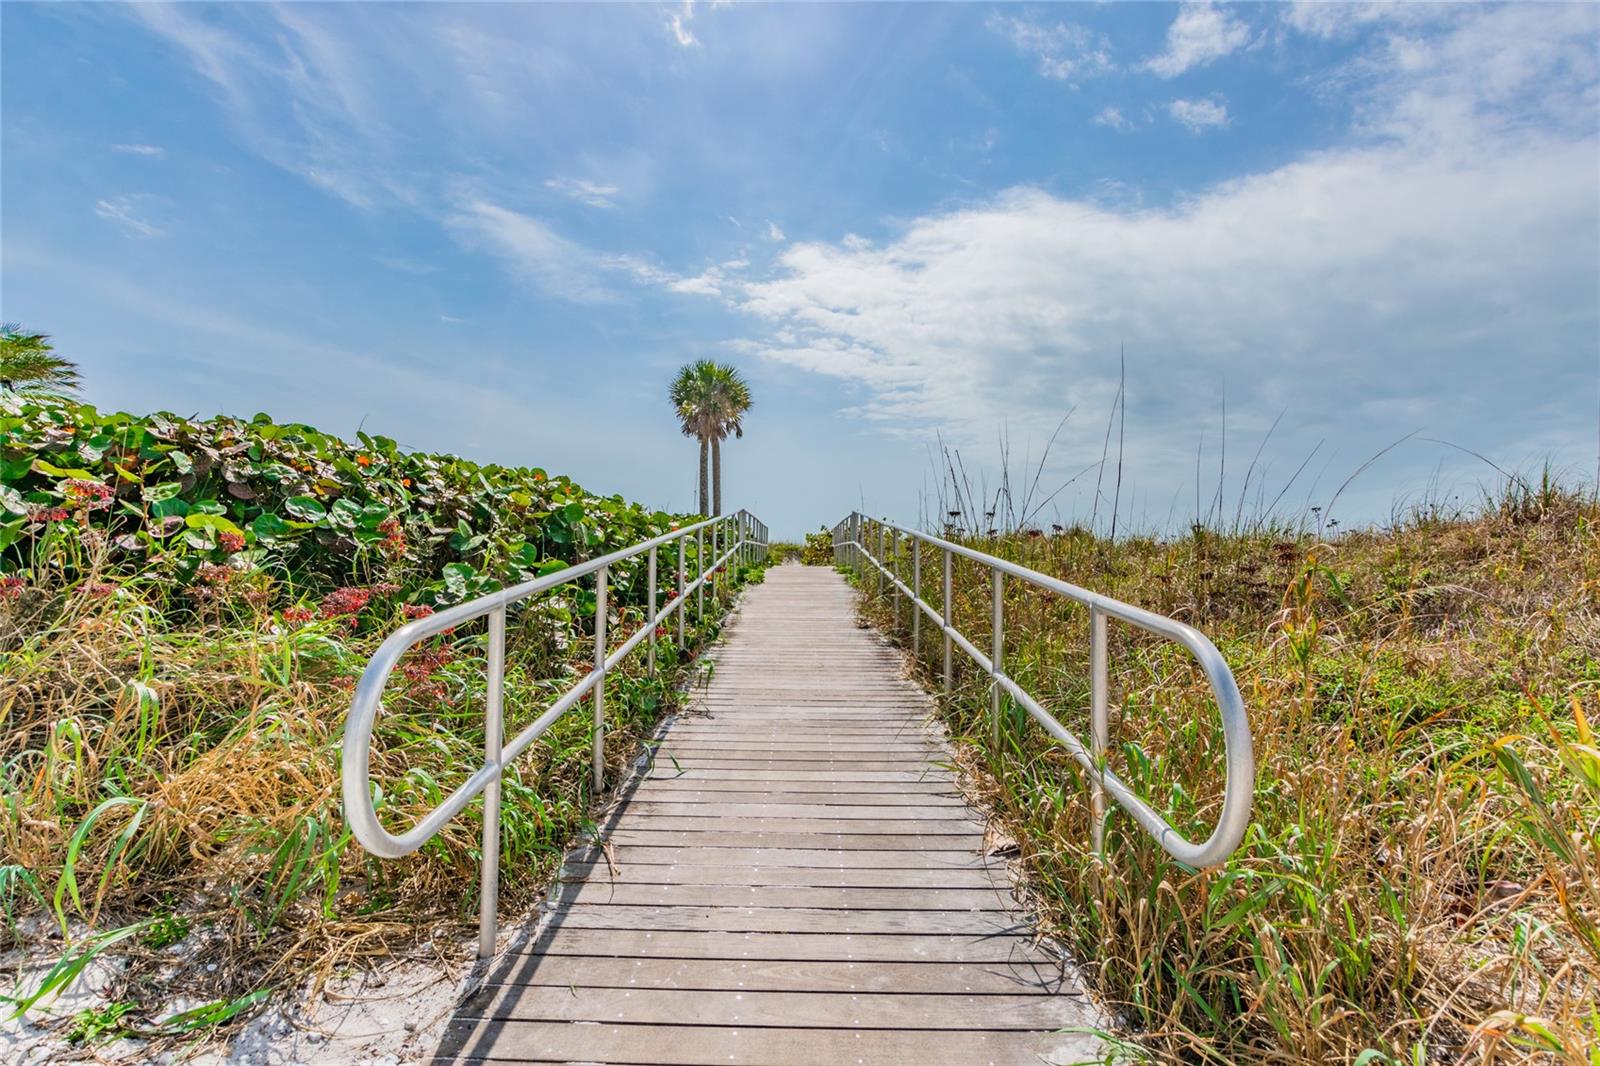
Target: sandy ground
[{"x": 393, "y": 1015}]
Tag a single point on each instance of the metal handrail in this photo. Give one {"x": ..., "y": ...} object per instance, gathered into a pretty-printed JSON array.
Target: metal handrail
[
  {"x": 742, "y": 535},
  {"x": 850, "y": 549}
]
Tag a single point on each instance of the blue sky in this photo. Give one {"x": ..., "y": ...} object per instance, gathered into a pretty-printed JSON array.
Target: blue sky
[{"x": 498, "y": 229}]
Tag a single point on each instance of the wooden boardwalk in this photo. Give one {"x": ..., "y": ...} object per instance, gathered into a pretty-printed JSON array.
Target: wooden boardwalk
[{"x": 797, "y": 881}]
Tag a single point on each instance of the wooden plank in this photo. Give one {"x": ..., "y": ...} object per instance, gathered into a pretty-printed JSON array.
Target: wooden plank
[
  {"x": 815, "y": 947},
  {"x": 832, "y": 858},
  {"x": 926, "y": 897},
  {"x": 666, "y": 770},
  {"x": 939, "y": 824},
  {"x": 500, "y": 1040},
  {"x": 661, "y": 792},
  {"x": 735, "y": 919},
  {"x": 834, "y": 811},
  {"x": 660, "y": 838},
  {"x": 602, "y": 971},
  {"x": 799, "y": 1010},
  {"x": 643, "y": 873}
]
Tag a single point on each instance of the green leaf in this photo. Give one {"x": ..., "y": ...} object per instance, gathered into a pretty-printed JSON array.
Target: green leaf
[
  {"x": 55, "y": 471},
  {"x": 166, "y": 490},
  {"x": 269, "y": 527},
  {"x": 215, "y": 523},
  {"x": 456, "y": 576},
  {"x": 305, "y": 507}
]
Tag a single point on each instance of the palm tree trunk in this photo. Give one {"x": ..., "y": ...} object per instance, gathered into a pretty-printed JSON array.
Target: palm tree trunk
[
  {"x": 704, "y": 493},
  {"x": 716, "y": 475}
]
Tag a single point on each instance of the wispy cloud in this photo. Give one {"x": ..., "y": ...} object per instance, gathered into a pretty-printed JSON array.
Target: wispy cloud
[
  {"x": 591, "y": 193},
  {"x": 1065, "y": 51},
  {"x": 1201, "y": 33},
  {"x": 533, "y": 251},
  {"x": 774, "y": 233},
  {"x": 678, "y": 22},
  {"x": 1199, "y": 115},
  {"x": 152, "y": 150},
  {"x": 1113, "y": 118},
  {"x": 129, "y": 213}
]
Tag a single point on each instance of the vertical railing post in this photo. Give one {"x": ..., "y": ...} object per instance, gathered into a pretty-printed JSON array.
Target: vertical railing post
[
  {"x": 493, "y": 737},
  {"x": 1099, "y": 724},
  {"x": 877, "y": 571},
  {"x": 650, "y": 619},
  {"x": 699, "y": 575},
  {"x": 600, "y": 685},
  {"x": 682, "y": 606},
  {"x": 916, "y": 597},
  {"x": 894, "y": 572},
  {"x": 947, "y": 641},
  {"x": 997, "y": 582}
]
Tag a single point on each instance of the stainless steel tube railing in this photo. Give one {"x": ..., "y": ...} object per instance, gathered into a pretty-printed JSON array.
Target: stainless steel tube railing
[
  {"x": 851, "y": 538},
  {"x": 742, "y": 537}
]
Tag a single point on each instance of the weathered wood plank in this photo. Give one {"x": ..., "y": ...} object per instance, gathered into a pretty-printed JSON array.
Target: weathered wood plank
[
  {"x": 601, "y": 971},
  {"x": 799, "y": 1010},
  {"x": 741, "y": 919},
  {"x": 838, "y": 876},
  {"x": 498, "y": 1040},
  {"x": 908, "y": 898}
]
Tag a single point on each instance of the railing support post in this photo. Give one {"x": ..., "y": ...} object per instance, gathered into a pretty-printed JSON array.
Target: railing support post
[
  {"x": 1099, "y": 724},
  {"x": 916, "y": 597},
  {"x": 947, "y": 641},
  {"x": 650, "y": 619},
  {"x": 600, "y": 685},
  {"x": 680, "y": 595},
  {"x": 997, "y": 583},
  {"x": 493, "y": 738},
  {"x": 699, "y": 575},
  {"x": 894, "y": 572},
  {"x": 877, "y": 571}
]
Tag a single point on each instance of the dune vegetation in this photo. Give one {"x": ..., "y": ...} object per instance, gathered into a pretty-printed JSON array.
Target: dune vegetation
[
  {"x": 1420, "y": 882},
  {"x": 184, "y": 609}
]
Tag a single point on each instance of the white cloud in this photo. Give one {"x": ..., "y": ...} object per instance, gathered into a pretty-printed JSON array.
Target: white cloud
[
  {"x": 1065, "y": 51},
  {"x": 585, "y": 192},
  {"x": 153, "y": 150},
  {"x": 1201, "y": 33},
  {"x": 773, "y": 232},
  {"x": 541, "y": 257},
  {"x": 129, "y": 212},
  {"x": 1448, "y": 252},
  {"x": 1113, "y": 118},
  {"x": 1198, "y": 115},
  {"x": 679, "y": 21}
]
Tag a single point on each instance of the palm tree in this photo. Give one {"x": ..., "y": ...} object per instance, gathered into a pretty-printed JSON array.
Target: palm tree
[
  {"x": 29, "y": 364},
  {"x": 710, "y": 400}
]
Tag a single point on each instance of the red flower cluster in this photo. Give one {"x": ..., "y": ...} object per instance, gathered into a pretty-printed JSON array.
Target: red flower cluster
[
  {"x": 10, "y": 586},
  {"x": 394, "y": 537},
  {"x": 230, "y": 542},
  {"x": 298, "y": 616},
  {"x": 99, "y": 589},
  {"x": 212, "y": 574},
  {"x": 661, "y": 631},
  {"x": 345, "y": 601},
  {"x": 421, "y": 663},
  {"x": 385, "y": 588},
  {"x": 48, "y": 514},
  {"x": 416, "y": 610},
  {"x": 80, "y": 489}
]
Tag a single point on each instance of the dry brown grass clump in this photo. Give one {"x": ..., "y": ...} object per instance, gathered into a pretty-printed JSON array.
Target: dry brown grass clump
[{"x": 1420, "y": 881}]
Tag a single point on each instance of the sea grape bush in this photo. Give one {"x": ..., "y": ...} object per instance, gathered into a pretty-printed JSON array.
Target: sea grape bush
[{"x": 327, "y": 519}]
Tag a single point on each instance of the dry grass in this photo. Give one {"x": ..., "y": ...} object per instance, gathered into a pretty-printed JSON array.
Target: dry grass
[
  {"x": 1420, "y": 882},
  {"x": 171, "y": 775}
]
